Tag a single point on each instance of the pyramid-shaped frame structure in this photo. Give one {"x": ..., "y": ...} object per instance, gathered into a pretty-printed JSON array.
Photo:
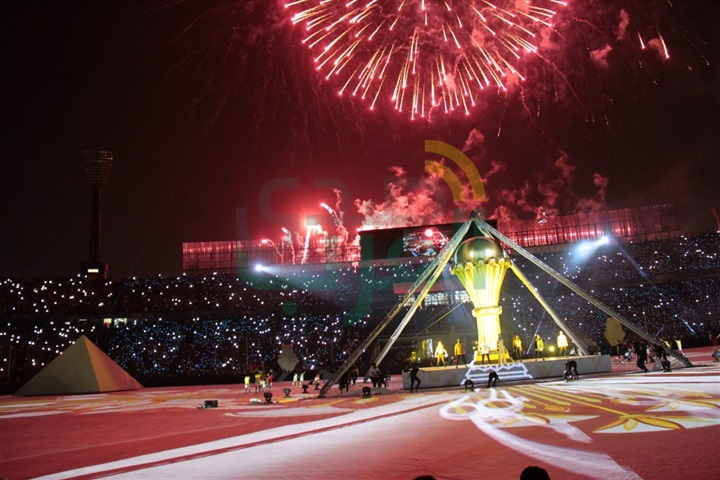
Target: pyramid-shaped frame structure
[
  {"x": 81, "y": 368},
  {"x": 434, "y": 269}
]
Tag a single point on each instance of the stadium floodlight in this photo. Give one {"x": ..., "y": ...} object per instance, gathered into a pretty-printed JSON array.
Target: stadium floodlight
[{"x": 98, "y": 164}]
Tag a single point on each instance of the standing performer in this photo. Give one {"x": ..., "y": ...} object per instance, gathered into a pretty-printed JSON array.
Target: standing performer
[
  {"x": 459, "y": 352},
  {"x": 440, "y": 353},
  {"x": 539, "y": 347},
  {"x": 517, "y": 348},
  {"x": 374, "y": 374},
  {"x": 484, "y": 353},
  {"x": 641, "y": 352},
  {"x": 562, "y": 343},
  {"x": 354, "y": 372},
  {"x": 502, "y": 351}
]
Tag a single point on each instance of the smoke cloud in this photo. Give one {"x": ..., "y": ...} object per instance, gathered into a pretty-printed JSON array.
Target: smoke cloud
[
  {"x": 600, "y": 56},
  {"x": 551, "y": 193},
  {"x": 406, "y": 203},
  {"x": 624, "y": 23}
]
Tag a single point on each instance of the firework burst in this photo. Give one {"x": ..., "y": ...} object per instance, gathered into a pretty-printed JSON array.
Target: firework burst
[{"x": 423, "y": 54}]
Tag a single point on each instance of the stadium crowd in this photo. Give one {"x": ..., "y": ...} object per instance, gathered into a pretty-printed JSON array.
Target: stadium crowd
[{"x": 227, "y": 324}]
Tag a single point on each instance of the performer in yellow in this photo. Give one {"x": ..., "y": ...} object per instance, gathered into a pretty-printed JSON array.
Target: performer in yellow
[
  {"x": 517, "y": 348},
  {"x": 562, "y": 343},
  {"x": 539, "y": 347},
  {"x": 440, "y": 353},
  {"x": 459, "y": 353}
]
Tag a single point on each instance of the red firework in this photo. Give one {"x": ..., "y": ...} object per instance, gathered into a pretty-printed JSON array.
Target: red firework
[{"x": 422, "y": 54}]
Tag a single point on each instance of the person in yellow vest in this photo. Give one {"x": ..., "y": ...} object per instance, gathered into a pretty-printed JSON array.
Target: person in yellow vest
[
  {"x": 440, "y": 353},
  {"x": 539, "y": 347},
  {"x": 459, "y": 353}
]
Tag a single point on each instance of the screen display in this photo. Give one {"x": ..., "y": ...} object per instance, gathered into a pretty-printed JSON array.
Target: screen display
[{"x": 425, "y": 241}]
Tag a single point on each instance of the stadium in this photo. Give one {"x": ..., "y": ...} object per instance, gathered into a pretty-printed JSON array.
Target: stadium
[
  {"x": 240, "y": 307},
  {"x": 225, "y": 317},
  {"x": 518, "y": 276}
]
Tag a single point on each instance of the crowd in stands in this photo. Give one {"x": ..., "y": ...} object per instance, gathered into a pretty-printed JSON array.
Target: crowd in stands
[
  {"x": 83, "y": 295},
  {"x": 596, "y": 264},
  {"x": 226, "y": 323}
]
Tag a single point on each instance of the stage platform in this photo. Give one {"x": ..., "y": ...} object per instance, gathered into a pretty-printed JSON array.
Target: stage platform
[{"x": 553, "y": 367}]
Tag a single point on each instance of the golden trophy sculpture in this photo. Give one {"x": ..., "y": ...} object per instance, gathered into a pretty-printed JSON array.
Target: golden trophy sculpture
[{"x": 480, "y": 264}]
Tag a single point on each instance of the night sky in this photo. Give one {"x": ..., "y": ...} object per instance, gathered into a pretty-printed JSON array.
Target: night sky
[{"x": 222, "y": 129}]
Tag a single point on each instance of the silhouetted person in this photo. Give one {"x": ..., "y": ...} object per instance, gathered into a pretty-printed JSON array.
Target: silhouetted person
[
  {"x": 374, "y": 374},
  {"x": 571, "y": 369},
  {"x": 492, "y": 378},
  {"x": 414, "y": 370},
  {"x": 354, "y": 372},
  {"x": 383, "y": 379},
  {"x": 665, "y": 364},
  {"x": 534, "y": 473},
  {"x": 344, "y": 382},
  {"x": 641, "y": 353}
]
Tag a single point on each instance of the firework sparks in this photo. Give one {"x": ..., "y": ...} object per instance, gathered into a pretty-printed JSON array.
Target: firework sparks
[
  {"x": 422, "y": 54},
  {"x": 337, "y": 216}
]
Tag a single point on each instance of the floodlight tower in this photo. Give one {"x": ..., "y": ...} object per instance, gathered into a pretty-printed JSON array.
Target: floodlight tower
[{"x": 98, "y": 164}]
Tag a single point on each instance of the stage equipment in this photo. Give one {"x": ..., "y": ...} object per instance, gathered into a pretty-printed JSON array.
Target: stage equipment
[
  {"x": 469, "y": 385},
  {"x": 366, "y": 392},
  {"x": 268, "y": 397},
  {"x": 286, "y": 391},
  {"x": 488, "y": 310},
  {"x": 209, "y": 404}
]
